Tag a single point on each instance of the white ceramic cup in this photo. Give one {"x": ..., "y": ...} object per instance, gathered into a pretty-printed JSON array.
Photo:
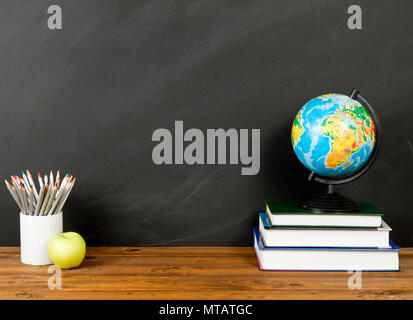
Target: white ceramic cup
[{"x": 35, "y": 234}]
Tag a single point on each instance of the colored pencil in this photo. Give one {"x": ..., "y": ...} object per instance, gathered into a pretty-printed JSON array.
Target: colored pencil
[
  {"x": 13, "y": 193},
  {"x": 29, "y": 177},
  {"x": 31, "y": 202},
  {"x": 63, "y": 185},
  {"x": 57, "y": 178},
  {"x": 59, "y": 208},
  {"x": 51, "y": 180},
  {"x": 46, "y": 199},
  {"x": 49, "y": 199},
  {"x": 41, "y": 196},
  {"x": 56, "y": 203},
  {"x": 40, "y": 180},
  {"x": 26, "y": 205},
  {"x": 49, "y": 204},
  {"x": 16, "y": 198}
]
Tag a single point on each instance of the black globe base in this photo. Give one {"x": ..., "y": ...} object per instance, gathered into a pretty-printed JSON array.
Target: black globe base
[{"x": 330, "y": 201}]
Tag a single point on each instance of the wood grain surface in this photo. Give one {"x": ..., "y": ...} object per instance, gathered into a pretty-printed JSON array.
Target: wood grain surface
[{"x": 192, "y": 273}]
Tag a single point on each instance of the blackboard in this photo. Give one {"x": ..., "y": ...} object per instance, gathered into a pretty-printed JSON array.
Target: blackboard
[{"x": 86, "y": 99}]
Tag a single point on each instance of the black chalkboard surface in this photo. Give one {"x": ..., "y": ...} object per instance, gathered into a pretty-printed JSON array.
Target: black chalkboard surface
[{"x": 86, "y": 99}]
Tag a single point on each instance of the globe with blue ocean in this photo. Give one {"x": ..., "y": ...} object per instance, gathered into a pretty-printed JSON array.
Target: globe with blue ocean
[{"x": 333, "y": 135}]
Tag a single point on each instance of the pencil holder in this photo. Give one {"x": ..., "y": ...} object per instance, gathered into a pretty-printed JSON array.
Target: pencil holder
[{"x": 35, "y": 234}]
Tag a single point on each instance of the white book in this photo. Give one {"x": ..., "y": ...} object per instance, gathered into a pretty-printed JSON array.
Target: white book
[
  {"x": 289, "y": 214},
  {"x": 323, "y": 237},
  {"x": 325, "y": 259}
]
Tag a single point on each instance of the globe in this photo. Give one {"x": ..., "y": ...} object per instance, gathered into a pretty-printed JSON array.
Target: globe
[{"x": 333, "y": 135}]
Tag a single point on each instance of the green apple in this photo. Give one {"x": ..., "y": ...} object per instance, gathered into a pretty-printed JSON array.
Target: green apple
[{"x": 67, "y": 250}]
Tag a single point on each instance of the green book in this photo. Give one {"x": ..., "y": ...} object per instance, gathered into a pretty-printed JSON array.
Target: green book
[{"x": 290, "y": 214}]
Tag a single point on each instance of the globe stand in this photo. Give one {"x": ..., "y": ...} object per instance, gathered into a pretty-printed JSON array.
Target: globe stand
[{"x": 330, "y": 200}]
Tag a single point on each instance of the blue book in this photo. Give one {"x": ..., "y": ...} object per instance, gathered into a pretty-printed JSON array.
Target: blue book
[{"x": 326, "y": 259}]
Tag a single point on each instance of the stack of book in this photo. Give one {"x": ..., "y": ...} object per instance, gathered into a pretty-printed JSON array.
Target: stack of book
[{"x": 290, "y": 238}]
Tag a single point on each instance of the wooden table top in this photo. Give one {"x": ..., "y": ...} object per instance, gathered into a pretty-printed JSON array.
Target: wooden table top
[{"x": 192, "y": 273}]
